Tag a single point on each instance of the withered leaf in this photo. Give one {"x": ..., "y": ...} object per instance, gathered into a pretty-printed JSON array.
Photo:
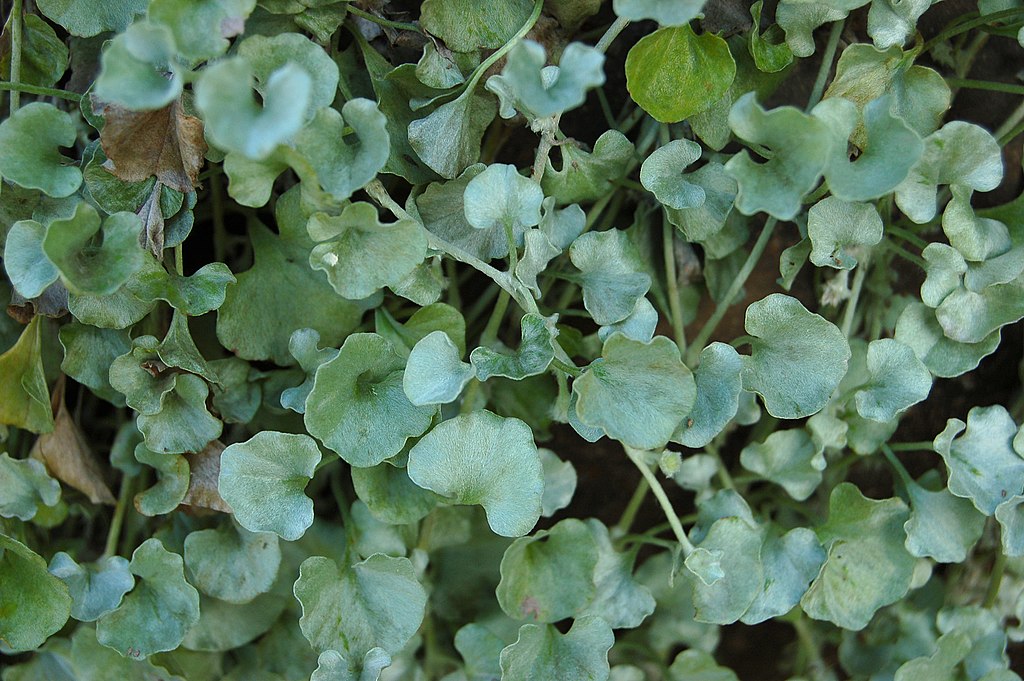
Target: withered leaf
[
  {"x": 202, "y": 485},
  {"x": 67, "y": 456},
  {"x": 166, "y": 143}
]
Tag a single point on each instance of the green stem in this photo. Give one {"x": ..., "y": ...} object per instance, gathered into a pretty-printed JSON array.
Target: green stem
[
  {"x": 470, "y": 396},
  {"x": 16, "y": 20},
  {"x": 632, "y": 508},
  {"x": 851, "y": 304},
  {"x": 723, "y": 471},
  {"x": 737, "y": 283},
  {"x": 905, "y": 254},
  {"x": 663, "y": 501},
  {"x": 808, "y": 644},
  {"x": 117, "y": 521},
  {"x": 179, "y": 260},
  {"x": 907, "y": 236},
  {"x": 988, "y": 85},
  {"x": 16, "y": 87},
  {"x": 826, "y": 63},
  {"x": 897, "y": 465},
  {"x": 923, "y": 446},
  {"x": 672, "y": 277},
  {"x": 569, "y": 369},
  {"x": 965, "y": 26},
  {"x": 381, "y": 21},
  {"x": 995, "y": 581},
  {"x": 611, "y": 34},
  {"x": 490, "y": 333},
  {"x": 479, "y": 71}
]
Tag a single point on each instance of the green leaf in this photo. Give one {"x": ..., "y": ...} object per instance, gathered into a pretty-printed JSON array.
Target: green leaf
[
  {"x": 391, "y": 496},
  {"x": 96, "y": 662},
  {"x": 183, "y": 423},
  {"x": 194, "y": 295},
  {"x": 88, "y": 355},
  {"x": 35, "y": 603},
  {"x": 665, "y": 12},
  {"x": 1011, "y": 520},
  {"x": 171, "y": 486},
  {"x": 132, "y": 629},
  {"x": 559, "y": 483},
  {"x": 899, "y": 380},
  {"x": 87, "y": 268},
  {"x": 85, "y": 19},
  {"x": 501, "y": 201},
  {"x": 44, "y": 56},
  {"x": 941, "y": 526},
  {"x": 619, "y": 599},
  {"x": 674, "y": 73},
  {"x": 332, "y": 666},
  {"x": 983, "y": 464},
  {"x": 549, "y": 576},
  {"x": 540, "y": 91},
  {"x": 942, "y": 665},
  {"x": 944, "y": 357},
  {"x": 788, "y": 458},
  {"x": 29, "y": 155},
  {"x": 801, "y": 149},
  {"x": 481, "y": 458},
  {"x": 769, "y": 49},
  {"x": 465, "y": 25},
  {"x": 434, "y": 317},
  {"x": 448, "y": 140},
  {"x": 541, "y": 652},
  {"x": 797, "y": 358},
  {"x": 303, "y": 345},
  {"x": 358, "y": 407},
  {"x": 133, "y": 67},
  {"x": 662, "y": 175},
  {"x": 640, "y": 325},
  {"x": 434, "y": 374},
  {"x": 28, "y": 268},
  {"x": 236, "y": 123},
  {"x": 251, "y": 559},
  {"x": 698, "y": 665},
  {"x": 341, "y": 167},
  {"x": 636, "y": 392},
  {"x": 362, "y": 254},
  {"x": 614, "y": 274},
  {"x": 962, "y": 155},
  {"x": 867, "y": 566},
  {"x": 24, "y": 395},
  {"x": 263, "y": 480},
  {"x": 25, "y": 487},
  {"x": 889, "y": 150},
  {"x": 95, "y": 588},
  {"x": 586, "y": 176},
  {"x": 536, "y": 350},
  {"x": 799, "y": 19},
  {"x": 703, "y": 222},
  {"x": 791, "y": 562},
  {"x": 738, "y": 543},
  {"x": 226, "y": 626},
  {"x": 718, "y": 396},
  {"x": 201, "y": 29},
  {"x": 976, "y": 238},
  {"x": 839, "y": 231},
  {"x": 382, "y": 602},
  {"x": 970, "y": 317}
]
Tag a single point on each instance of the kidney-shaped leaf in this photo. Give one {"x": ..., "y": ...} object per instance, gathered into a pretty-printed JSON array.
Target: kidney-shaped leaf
[
  {"x": 797, "y": 357},
  {"x": 28, "y": 268},
  {"x": 662, "y": 175},
  {"x": 839, "y": 229},
  {"x": 89, "y": 269},
  {"x": 788, "y": 458},
  {"x": 263, "y": 480},
  {"x": 542, "y": 653},
  {"x": 232, "y": 564},
  {"x": 482, "y": 458},
  {"x": 501, "y": 201},
  {"x": 95, "y": 588},
  {"x": 29, "y": 156},
  {"x": 899, "y": 380}
]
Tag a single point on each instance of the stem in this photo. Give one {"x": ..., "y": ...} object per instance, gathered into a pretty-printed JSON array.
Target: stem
[
  {"x": 659, "y": 494},
  {"x": 179, "y": 260},
  {"x": 905, "y": 254},
  {"x": 611, "y": 34},
  {"x": 1012, "y": 124},
  {"x": 924, "y": 446},
  {"x": 16, "y": 12},
  {"x": 352, "y": 9},
  {"x": 16, "y": 87},
  {"x": 629, "y": 513},
  {"x": 908, "y": 236},
  {"x": 540, "y": 162},
  {"x": 988, "y": 85},
  {"x": 995, "y": 581},
  {"x": 974, "y": 23},
  {"x": 672, "y": 277},
  {"x": 826, "y": 64},
  {"x": 470, "y": 397},
  {"x": 723, "y": 472},
  {"x": 808, "y": 644},
  {"x": 569, "y": 369},
  {"x": 220, "y": 236},
  {"x": 741, "y": 277},
  {"x": 117, "y": 521},
  {"x": 897, "y": 466},
  {"x": 479, "y": 72},
  {"x": 851, "y": 304},
  {"x": 490, "y": 333}
]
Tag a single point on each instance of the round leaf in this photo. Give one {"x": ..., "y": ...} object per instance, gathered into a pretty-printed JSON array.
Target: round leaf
[
  {"x": 96, "y": 588},
  {"x": 29, "y": 156},
  {"x": 231, "y": 563}
]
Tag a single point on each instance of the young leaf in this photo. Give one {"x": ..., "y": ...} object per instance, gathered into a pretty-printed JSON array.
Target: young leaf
[
  {"x": 194, "y": 295},
  {"x": 95, "y": 588},
  {"x": 35, "y": 603},
  {"x": 899, "y": 380},
  {"x": 701, "y": 223},
  {"x": 263, "y": 480},
  {"x": 788, "y": 458},
  {"x": 251, "y": 559},
  {"x": 867, "y": 566},
  {"x": 614, "y": 276},
  {"x": 88, "y": 355},
  {"x": 536, "y": 350},
  {"x": 434, "y": 374},
  {"x": 381, "y": 598},
  {"x": 636, "y": 392},
  {"x": 797, "y": 358},
  {"x": 29, "y": 156},
  {"x": 361, "y": 254},
  {"x": 718, "y": 396},
  {"x": 640, "y": 325},
  {"x": 482, "y": 458},
  {"x": 131, "y": 629},
  {"x": 662, "y": 175},
  {"x": 540, "y": 91},
  {"x": 303, "y": 345},
  {"x": 183, "y": 423},
  {"x": 541, "y": 652},
  {"x": 674, "y": 73},
  {"x": 839, "y": 230},
  {"x": 358, "y": 407},
  {"x": 801, "y": 148},
  {"x": 88, "y": 269},
  {"x": 501, "y": 201}
]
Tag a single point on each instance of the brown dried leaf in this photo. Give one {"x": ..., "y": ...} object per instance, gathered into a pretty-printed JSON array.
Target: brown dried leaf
[
  {"x": 202, "y": 485},
  {"x": 166, "y": 143},
  {"x": 67, "y": 456}
]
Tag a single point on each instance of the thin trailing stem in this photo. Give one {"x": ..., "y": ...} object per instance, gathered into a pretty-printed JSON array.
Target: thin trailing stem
[
  {"x": 569, "y": 369},
  {"x": 672, "y": 283},
  {"x": 826, "y": 63},
  {"x": 659, "y": 493},
  {"x": 16, "y": 21},
  {"x": 988, "y": 85},
  {"x": 15, "y": 87},
  {"x": 632, "y": 508},
  {"x": 851, "y": 305},
  {"x": 923, "y": 446},
  {"x": 381, "y": 21},
  {"x": 737, "y": 283},
  {"x": 897, "y": 465},
  {"x": 965, "y": 26},
  {"x": 117, "y": 521},
  {"x": 611, "y": 34},
  {"x": 907, "y": 236},
  {"x": 723, "y": 472},
  {"x": 490, "y": 333},
  {"x": 479, "y": 72}
]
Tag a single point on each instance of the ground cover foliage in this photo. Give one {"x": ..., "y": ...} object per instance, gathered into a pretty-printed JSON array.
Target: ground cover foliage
[{"x": 334, "y": 325}]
